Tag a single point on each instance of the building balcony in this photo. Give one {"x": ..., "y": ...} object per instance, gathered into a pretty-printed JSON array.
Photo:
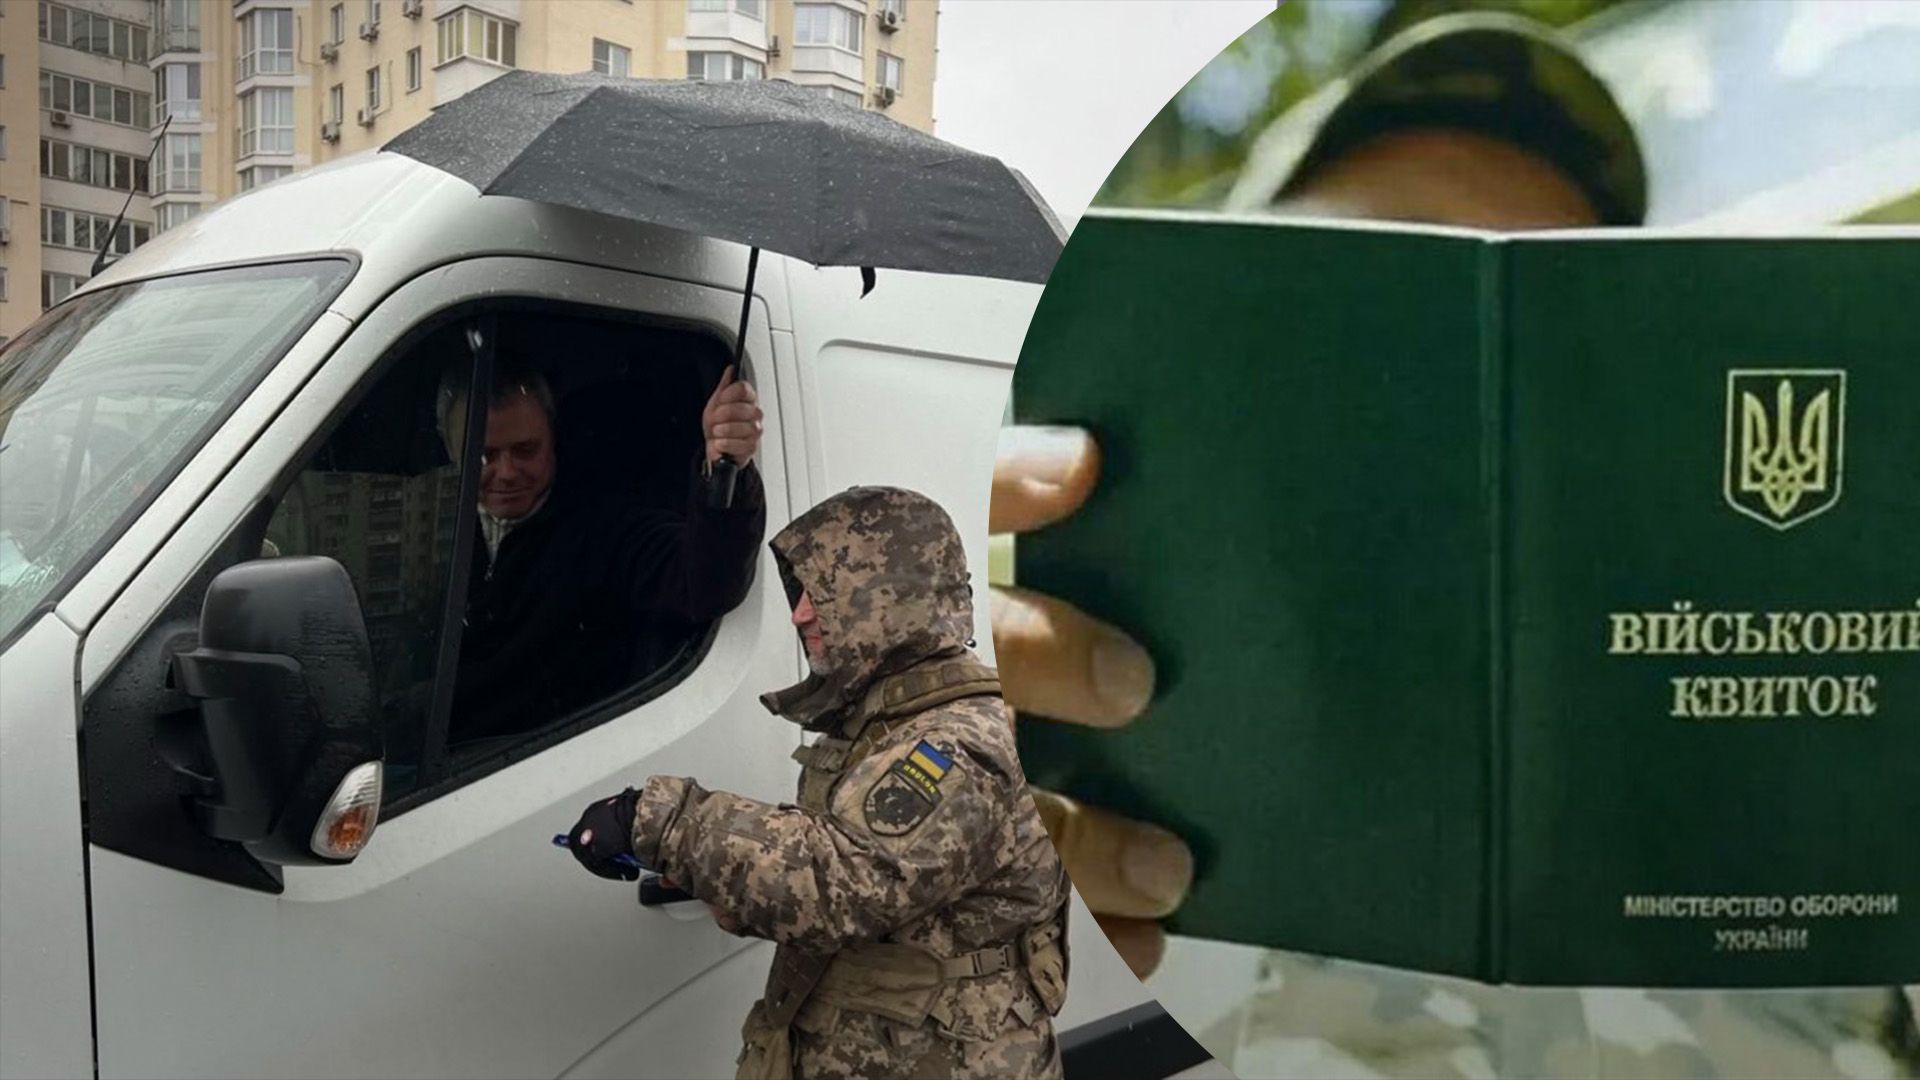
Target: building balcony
[
  {"x": 705, "y": 29},
  {"x": 829, "y": 60},
  {"x": 175, "y": 41}
]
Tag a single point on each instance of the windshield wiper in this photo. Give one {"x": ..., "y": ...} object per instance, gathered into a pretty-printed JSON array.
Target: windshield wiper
[{"x": 100, "y": 260}]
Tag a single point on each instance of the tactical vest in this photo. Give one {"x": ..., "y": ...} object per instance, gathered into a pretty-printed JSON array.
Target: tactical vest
[{"x": 897, "y": 981}]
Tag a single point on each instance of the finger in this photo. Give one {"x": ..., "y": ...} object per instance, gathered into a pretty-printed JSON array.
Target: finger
[
  {"x": 1059, "y": 662},
  {"x": 738, "y": 411},
  {"x": 1040, "y": 475},
  {"x": 726, "y": 379},
  {"x": 1121, "y": 867},
  {"x": 737, "y": 391},
  {"x": 1140, "y": 942},
  {"x": 738, "y": 449},
  {"x": 734, "y": 429}
]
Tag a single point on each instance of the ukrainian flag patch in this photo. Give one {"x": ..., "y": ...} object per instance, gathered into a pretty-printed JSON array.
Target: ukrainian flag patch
[
  {"x": 925, "y": 766},
  {"x": 931, "y": 760},
  {"x": 907, "y": 793}
]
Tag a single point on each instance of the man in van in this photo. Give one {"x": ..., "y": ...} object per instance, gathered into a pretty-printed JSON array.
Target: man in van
[
  {"x": 566, "y": 581},
  {"x": 919, "y": 908}
]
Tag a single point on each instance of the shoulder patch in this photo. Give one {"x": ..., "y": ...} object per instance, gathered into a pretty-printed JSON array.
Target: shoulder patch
[{"x": 907, "y": 792}]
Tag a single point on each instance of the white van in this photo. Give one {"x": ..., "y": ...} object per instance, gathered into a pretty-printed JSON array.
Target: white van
[{"x": 258, "y": 382}]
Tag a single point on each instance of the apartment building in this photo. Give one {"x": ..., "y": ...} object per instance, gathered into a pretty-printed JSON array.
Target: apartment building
[
  {"x": 271, "y": 86},
  {"x": 242, "y": 92},
  {"x": 73, "y": 148}
]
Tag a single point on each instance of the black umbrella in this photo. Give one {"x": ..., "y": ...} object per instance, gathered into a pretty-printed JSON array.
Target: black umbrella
[{"x": 768, "y": 164}]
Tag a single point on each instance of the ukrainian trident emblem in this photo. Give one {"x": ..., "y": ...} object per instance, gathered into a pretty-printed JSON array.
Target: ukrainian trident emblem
[{"x": 1785, "y": 434}]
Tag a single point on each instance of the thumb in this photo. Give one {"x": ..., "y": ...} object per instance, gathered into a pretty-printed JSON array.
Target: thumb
[{"x": 726, "y": 380}]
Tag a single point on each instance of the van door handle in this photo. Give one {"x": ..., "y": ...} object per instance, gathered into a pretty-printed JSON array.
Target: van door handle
[{"x": 654, "y": 893}]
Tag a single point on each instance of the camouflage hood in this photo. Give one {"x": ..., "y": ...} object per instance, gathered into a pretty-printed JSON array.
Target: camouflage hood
[{"x": 888, "y": 579}]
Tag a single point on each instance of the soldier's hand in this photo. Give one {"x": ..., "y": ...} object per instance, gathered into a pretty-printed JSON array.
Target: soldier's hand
[
  {"x": 732, "y": 420},
  {"x": 1058, "y": 662},
  {"x": 602, "y": 840}
]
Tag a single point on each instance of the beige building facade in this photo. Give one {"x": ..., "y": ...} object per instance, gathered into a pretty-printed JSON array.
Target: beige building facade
[
  {"x": 75, "y": 109},
  {"x": 242, "y": 92}
]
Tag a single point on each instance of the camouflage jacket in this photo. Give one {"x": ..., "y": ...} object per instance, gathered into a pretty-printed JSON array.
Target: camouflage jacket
[{"x": 913, "y": 825}]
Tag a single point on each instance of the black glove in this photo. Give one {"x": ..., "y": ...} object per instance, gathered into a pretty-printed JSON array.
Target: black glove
[{"x": 603, "y": 838}]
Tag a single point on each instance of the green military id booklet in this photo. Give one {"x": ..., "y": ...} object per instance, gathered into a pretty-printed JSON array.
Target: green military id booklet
[{"x": 1539, "y": 608}]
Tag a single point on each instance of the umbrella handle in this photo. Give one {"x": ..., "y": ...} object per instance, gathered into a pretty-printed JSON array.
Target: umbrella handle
[
  {"x": 724, "y": 471},
  {"x": 721, "y": 476}
]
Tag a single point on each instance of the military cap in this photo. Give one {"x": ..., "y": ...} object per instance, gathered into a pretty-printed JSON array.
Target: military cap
[{"x": 1492, "y": 73}]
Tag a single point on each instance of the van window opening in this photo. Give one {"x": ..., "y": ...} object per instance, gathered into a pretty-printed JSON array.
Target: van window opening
[{"x": 382, "y": 494}]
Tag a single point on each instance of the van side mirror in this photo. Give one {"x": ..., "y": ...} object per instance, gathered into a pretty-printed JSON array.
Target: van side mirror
[{"x": 284, "y": 681}]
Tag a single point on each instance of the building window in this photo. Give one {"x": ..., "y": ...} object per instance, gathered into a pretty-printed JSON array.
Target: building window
[
  {"x": 76, "y": 29},
  {"x": 413, "y": 69},
  {"x": 467, "y": 32},
  {"x": 255, "y": 175},
  {"x": 266, "y": 43},
  {"x": 180, "y": 163},
  {"x": 337, "y": 103},
  {"x": 611, "y": 59},
  {"x": 723, "y": 67},
  {"x": 180, "y": 26},
  {"x": 3, "y": 157},
  {"x": 173, "y": 215},
  {"x": 891, "y": 70},
  {"x": 706, "y": 6},
  {"x": 3, "y": 294},
  {"x": 56, "y": 287},
  {"x": 827, "y": 24},
  {"x": 373, "y": 90},
  {"x": 266, "y": 121},
  {"x": 373, "y": 12},
  {"x": 101, "y": 101},
  {"x": 337, "y": 23},
  {"x": 176, "y": 92},
  {"x": 3, "y": 71},
  {"x": 82, "y": 231},
  {"x": 92, "y": 165},
  {"x": 749, "y": 8}
]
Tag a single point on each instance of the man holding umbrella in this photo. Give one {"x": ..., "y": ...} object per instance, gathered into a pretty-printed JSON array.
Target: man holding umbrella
[{"x": 919, "y": 907}]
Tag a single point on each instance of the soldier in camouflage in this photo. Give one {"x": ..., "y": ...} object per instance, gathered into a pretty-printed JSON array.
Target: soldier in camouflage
[{"x": 919, "y": 908}]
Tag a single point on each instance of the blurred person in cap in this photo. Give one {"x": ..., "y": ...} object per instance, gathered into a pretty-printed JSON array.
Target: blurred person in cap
[{"x": 1476, "y": 119}]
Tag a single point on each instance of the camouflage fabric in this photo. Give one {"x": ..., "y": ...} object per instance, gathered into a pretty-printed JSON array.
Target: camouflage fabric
[
  {"x": 1487, "y": 72},
  {"x": 1315, "y": 1017},
  {"x": 912, "y": 863}
]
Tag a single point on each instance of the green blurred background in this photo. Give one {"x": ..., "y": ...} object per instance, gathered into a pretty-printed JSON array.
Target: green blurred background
[{"x": 1754, "y": 114}]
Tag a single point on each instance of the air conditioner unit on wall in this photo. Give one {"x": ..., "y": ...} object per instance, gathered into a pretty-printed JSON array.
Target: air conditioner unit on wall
[
  {"x": 889, "y": 20},
  {"x": 59, "y": 119},
  {"x": 884, "y": 95},
  {"x": 330, "y": 131},
  {"x": 369, "y": 31},
  {"x": 6, "y": 235},
  {"x": 329, "y": 50},
  {"x": 363, "y": 117},
  {"x": 773, "y": 46},
  {"x": 411, "y": 8}
]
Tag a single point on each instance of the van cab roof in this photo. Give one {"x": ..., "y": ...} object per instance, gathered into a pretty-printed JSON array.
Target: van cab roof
[{"x": 401, "y": 218}]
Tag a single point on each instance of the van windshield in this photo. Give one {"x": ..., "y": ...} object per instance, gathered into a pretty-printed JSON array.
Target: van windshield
[{"x": 104, "y": 399}]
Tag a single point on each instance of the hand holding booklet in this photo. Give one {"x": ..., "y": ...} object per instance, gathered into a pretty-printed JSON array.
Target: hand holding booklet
[{"x": 1540, "y": 608}]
